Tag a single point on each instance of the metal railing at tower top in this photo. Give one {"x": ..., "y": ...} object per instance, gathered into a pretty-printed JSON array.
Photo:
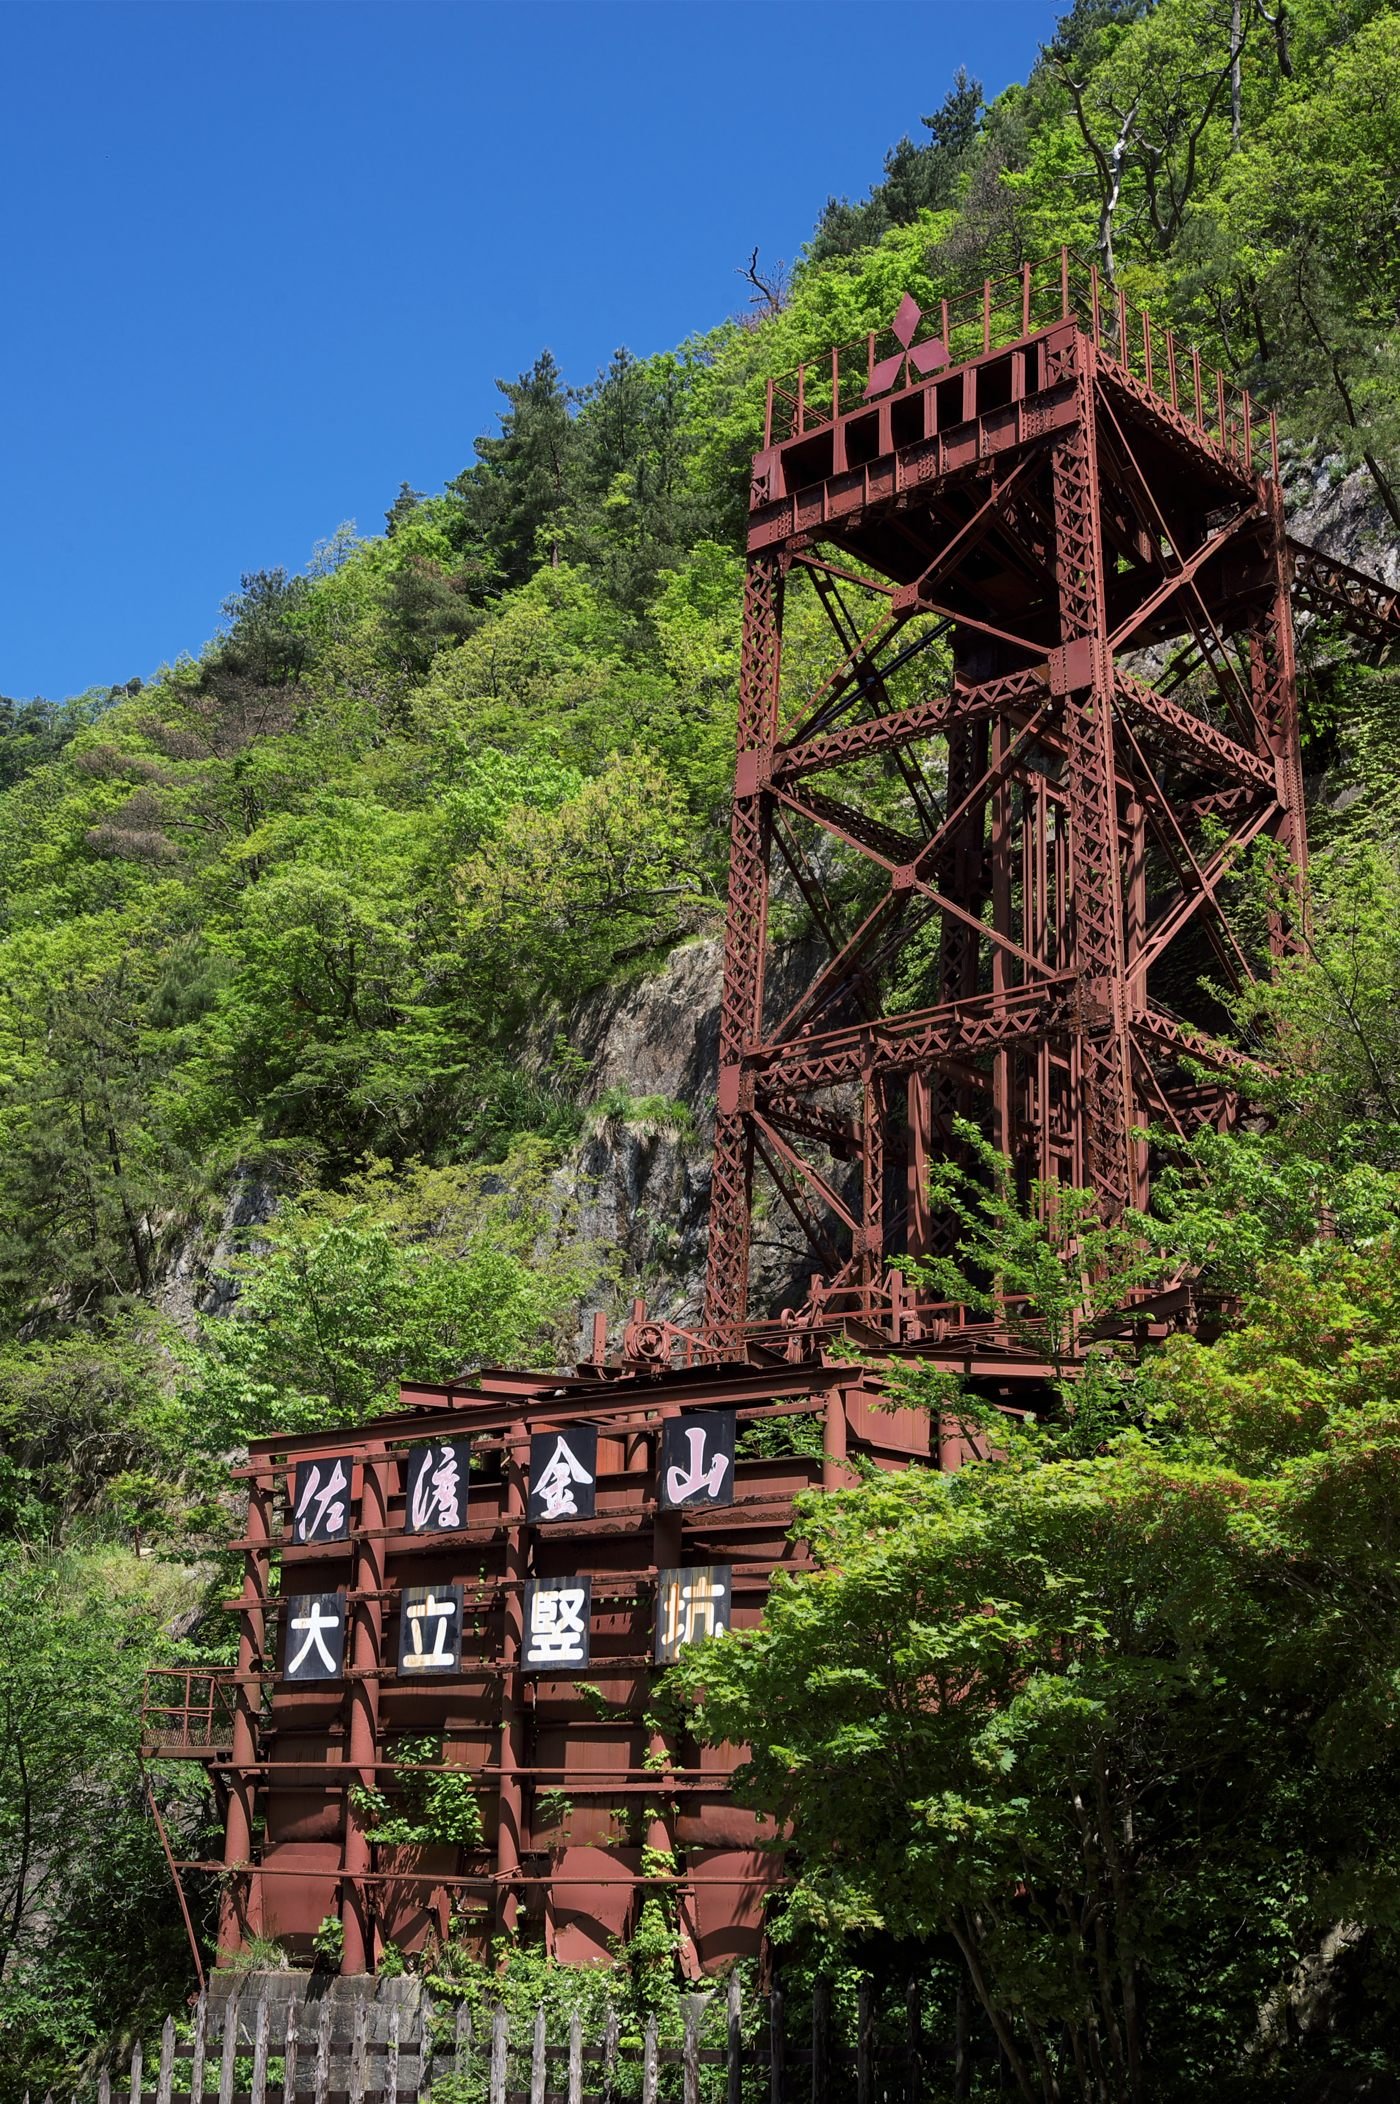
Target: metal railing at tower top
[
  {"x": 1004, "y": 311},
  {"x": 187, "y": 1710}
]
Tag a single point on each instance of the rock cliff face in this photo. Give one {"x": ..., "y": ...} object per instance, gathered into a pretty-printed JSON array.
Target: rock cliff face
[
  {"x": 640, "y": 1178},
  {"x": 194, "y": 1280},
  {"x": 1343, "y": 516}
]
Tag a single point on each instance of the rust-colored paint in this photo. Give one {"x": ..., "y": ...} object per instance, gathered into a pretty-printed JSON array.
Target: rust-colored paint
[
  {"x": 1040, "y": 488},
  {"x": 571, "y": 1780}
]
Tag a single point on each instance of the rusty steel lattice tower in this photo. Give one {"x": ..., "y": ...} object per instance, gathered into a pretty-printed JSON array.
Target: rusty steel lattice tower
[{"x": 1017, "y": 693}]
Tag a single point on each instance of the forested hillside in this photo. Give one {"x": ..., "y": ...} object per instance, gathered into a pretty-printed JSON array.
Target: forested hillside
[{"x": 291, "y": 936}]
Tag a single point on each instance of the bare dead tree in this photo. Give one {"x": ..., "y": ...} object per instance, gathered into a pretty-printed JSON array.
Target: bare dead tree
[
  {"x": 1239, "y": 31},
  {"x": 1163, "y": 141},
  {"x": 770, "y": 287},
  {"x": 1278, "y": 22},
  {"x": 1109, "y": 161}
]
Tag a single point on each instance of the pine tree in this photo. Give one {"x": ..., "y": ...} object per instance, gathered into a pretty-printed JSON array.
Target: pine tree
[
  {"x": 918, "y": 177},
  {"x": 517, "y": 488}
]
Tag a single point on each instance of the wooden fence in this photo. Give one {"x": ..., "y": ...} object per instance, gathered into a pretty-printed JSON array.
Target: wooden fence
[{"x": 724, "y": 2048}]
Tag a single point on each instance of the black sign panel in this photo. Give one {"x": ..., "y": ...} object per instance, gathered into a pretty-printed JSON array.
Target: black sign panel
[
  {"x": 697, "y": 1459},
  {"x": 321, "y": 1499},
  {"x": 564, "y": 1474},
  {"x": 691, "y": 1604},
  {"x": 314, "y": 1642},
  {"x": 435, "y": 1487},
  {"x": 557, "y": 1612},
  {"x": 430, "y": 1629}
]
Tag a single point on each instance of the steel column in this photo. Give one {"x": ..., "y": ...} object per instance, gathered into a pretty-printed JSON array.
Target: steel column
[
  {"x": 1095, "y": 905},
  {"x": 511, "y": 1798},
  {"x": 240, "y": 1910},
  {"x": 741, "y": 1012},
  {"x": 366, "y": 1608}
]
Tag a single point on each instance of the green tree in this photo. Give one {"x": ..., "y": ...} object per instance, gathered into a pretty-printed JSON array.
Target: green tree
[
  {"x": 90, "y": 1933},
  {"x": 575, "y": 892},
  {"x": 635, "y": 509},
  {"x": 1327, "y": 1020},
  {"x": 1304, "y": 224},
  {"x": 1129, "y": 1715},
  {"x": 425, "y": 1277},
  {"x": 91, "y": 1016},
  {"x": 1048, "y": 1267},
  {"x": 919, "y": 177},
  {"x": 517, "y": 489},
  {"x": 91, "y": 1431}
]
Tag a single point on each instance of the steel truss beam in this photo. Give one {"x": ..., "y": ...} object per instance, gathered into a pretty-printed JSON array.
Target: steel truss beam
[{"x": 1367, "y": 608}]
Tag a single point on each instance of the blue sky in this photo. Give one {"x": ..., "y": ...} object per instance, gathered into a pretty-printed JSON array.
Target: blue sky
[{"x": 264, "y": 260}]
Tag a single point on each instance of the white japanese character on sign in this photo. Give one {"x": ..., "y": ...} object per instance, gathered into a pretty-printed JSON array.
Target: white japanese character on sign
[
  {"x": 322, "y": 1511},
  {"x": 557, "y": 1614},
  {"x": 553, "y": 1492},
  {"x": 430, "y": 1632},
  {"x": 322, "y": 1649},
  {"x": 437, "y": 1489},
  {"x": 696, "y": 1475},
  {"x": 691, "y": 1604},
  {"x": 697, "y": 1459}
]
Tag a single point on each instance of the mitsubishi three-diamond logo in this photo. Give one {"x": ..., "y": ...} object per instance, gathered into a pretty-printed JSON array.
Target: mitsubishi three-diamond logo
[{"x": 924, "y": 357}]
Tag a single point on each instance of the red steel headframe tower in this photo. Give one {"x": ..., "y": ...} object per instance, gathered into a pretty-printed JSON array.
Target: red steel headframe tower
[{"x": 1017, "y": 694}]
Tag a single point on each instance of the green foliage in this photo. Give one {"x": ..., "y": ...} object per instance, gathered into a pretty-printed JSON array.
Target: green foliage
[
  {"x": 521, "y": 1977},
  {"x": 1114, "y": 1691},
  {"x": 800, "y": 1432},
  {"x": 431, "y": 1806},
  {"x": 349, "y": 1291},
  {"x": 328, "y": 1942},
  {"x": 553, "y": 1808},
  {"x": 643, "y": 1981},
  {"x": 1303, "y": 221},
  {"x": 92, "y": 1430},
  {"x": 32, "y": 733},
  {"x": 91, "y": 1012},
  {"x": 649, "y": 1956},
  {"x": 1330, "y": 1014},
  {"x": 1046, "y": 1268},
  {"x": 517, "y": 487},
  {"x": 648, "y": 1117},
  {"x": 81, "y": 1869},
  {"x": 1231, "y": 1204},
  {"x": 258, "y": 1954}
]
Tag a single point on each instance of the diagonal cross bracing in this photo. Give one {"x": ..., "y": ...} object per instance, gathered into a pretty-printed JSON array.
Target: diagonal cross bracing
[
  {"x": 927, "y": 719},
  {"x": 1191, "y": 734},
  {"x": 1034, "y": 963}
]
